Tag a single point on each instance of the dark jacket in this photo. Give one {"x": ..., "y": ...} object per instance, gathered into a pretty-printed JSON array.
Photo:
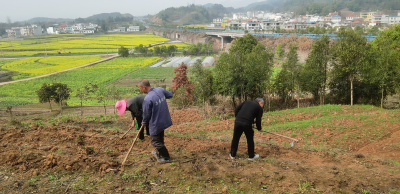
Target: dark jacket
[
  {"x": 248, "y": 111},
  {"x": 155, "y": 110},
  {"x": 135, "y": 105}
]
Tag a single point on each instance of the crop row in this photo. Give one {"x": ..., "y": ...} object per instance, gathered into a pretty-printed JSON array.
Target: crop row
[
  {"x": 36, "y": 66},
  {"x": 90, "y": 42},
  {"x": 57, "y": 52},
  {"x": 100, "y": 74}
]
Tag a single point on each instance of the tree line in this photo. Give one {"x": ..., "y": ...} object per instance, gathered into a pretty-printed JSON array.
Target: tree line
[
  {"x": 60, "y": 93},
  {"x": 349, "y": 70}
]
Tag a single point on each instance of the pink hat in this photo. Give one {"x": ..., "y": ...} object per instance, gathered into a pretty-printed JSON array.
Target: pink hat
[{"x": 121, "y": 106}]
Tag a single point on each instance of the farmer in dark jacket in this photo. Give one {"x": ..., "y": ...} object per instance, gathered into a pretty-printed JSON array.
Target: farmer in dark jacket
[
  {"x": 156, "y": 116},
  {"x": 245, "y": 114},
  {"x": 134, "y": 105}
]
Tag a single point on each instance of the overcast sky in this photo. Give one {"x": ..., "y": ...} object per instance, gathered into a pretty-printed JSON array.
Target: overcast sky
[{"x": 21, "y": 10}]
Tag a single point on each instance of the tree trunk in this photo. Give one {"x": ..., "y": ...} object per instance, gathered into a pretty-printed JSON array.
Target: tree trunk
[
  {"x": 269, "y": 103},
  {"x": 351, "y": 92},
  {"x": 105, "y": 110},
  {"x": 298, "y": 97},
  {"x": 81, "y": 108},
  {"x": 382, "y": 98},
  {"x": 61, "y": 109},
  {"x": 50, "y": 105}
]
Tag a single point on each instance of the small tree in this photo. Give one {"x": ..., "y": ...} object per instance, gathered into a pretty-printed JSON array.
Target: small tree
[
  {"x": 203, "y": 81},
  {"x": 114, "y": 94},
  {"x": 84, "y": 93},
  {"x": 181, "y": 81},
  {"x": 102, "y": 97},
  {"x": 123, "y": 52},
  {"x": 349, "y": 54},
  {"x": 62, "y": 93},
  {"x": 280, "y": 52},
  {"x": 46, "y": 94}
]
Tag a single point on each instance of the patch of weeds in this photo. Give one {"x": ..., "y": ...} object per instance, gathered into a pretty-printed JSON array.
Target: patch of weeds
[
  {"x": 33, "y": 180},
  {"x": 188, "y": 189},
  {"x": 304, "y": 186},
  {"x": 271, "y": 160},
  {"x": 172, "y": 164},
  {"x": 394, "y": 192},
  {"x": 52, "y": 178},
  {"x": 365, "y": 191},
  {"x": 40, "y": 123}
]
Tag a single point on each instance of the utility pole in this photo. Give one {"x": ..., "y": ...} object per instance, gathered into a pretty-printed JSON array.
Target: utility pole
[{"x": 45, "y": 50}]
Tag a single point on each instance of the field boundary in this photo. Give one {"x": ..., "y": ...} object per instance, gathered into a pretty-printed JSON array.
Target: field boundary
[{"x": 86, "y": 65}]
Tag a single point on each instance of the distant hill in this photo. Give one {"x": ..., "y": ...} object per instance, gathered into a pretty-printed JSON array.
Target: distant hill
[
  {"x": 44, "y": 19},
  {"x": 102, "y": 16},
  {"x": 192, "y": 14}
]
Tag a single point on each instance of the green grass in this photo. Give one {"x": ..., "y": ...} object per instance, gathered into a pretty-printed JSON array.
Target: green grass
[
  {"x": 154, "y": 73},
  {"x": 100, "y": 74}
]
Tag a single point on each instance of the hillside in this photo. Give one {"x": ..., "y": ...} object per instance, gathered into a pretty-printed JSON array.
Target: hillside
[
  {"x": 44, "y": 19},
  {"x": 192, "y": 14},
  {"x": 103, "y": 16},
  {"x": 342, "y": 149},
  {"x": 323, "y": 7}
]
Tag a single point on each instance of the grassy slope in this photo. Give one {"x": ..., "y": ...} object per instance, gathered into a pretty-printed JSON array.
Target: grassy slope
[{"x": 213, "y": 172}]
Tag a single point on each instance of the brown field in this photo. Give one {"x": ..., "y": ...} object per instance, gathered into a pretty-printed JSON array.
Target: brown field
[{"x": 342, "y": 149}]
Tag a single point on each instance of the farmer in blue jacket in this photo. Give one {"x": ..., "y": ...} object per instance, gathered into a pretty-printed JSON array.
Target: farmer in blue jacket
[{"x": 156, "y": 116}]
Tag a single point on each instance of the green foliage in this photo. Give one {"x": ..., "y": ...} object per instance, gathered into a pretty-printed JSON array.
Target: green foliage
[
  {"x": 123, "y": 52},
  {"x": 383, "y": 62},
  {"x": 280, "y": 52},
  {"x": 244, "y": 72},
  {"x": 202, "y": 79},
  {"x": 57, "y": 91},
  {"x": 314, "y": 76},
  {"x": 350, "y": 53},
  {"x": 192, "y": 14},
  {"x": 141, "y": 49}
]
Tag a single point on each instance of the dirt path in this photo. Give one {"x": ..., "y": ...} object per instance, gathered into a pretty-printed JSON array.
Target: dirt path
[{"x": 46, "y": 75}]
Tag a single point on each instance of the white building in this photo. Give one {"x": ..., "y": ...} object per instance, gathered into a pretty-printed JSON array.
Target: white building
[
  {"x": 87, "y": 31},
  {"x": 133, "y": 29},
  {"x": 37, "y": 30},
  {"x": 52, "y": 30},
  {"x": 336, "y": 19}
]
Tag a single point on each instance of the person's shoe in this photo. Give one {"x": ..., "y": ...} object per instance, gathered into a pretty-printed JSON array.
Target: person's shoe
[
  {"x": 159, "y": 159},
  {"x": 255, "y": 157},
  {"x": 164, "y": 160},
  {"x": 231, "y": 156}
]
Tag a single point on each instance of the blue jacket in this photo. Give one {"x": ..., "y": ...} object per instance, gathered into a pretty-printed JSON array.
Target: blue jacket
[{"x": 155, "y": 110}]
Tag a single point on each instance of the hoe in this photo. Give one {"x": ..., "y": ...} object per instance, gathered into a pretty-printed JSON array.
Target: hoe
[{"x": 293, "y": 140}]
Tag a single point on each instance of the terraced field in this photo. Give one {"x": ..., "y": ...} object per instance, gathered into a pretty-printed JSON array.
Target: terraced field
[
  {"x": 77, "y": 44},
  {"x": 35, "y": 66},
  {"x": 101, "y": 74}
]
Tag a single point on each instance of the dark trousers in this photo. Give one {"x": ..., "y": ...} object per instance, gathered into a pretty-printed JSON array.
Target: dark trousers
[
  {"x": 158, "y": 142},
  {"x": 146, "y": 128},
  {"x": 238, "y": 130}
]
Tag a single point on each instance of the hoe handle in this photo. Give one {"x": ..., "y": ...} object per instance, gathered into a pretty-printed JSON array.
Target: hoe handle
[
  {"x": 281, "y": 136},
  {"x": 130, "y": 149},
  {"x": 126, "y": 132}
]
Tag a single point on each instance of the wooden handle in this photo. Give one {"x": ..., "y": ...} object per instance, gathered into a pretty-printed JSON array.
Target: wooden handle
[
  {"x": 280, "y": 135},
  {"x": 130, "y": 149},
  {"x": 130, "y": 128}
]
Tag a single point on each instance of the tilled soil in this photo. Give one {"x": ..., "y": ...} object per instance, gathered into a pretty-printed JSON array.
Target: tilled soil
[{"x": 199, "y": 165}]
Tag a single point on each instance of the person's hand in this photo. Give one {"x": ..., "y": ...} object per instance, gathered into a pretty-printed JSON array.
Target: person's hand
[{"x": 132, "y": 125}]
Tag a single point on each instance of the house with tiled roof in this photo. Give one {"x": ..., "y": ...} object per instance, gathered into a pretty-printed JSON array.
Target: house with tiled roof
[{"x": 351, "y": 17}]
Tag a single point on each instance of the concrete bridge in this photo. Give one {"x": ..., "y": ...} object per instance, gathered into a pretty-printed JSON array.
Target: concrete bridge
[{"x": 226, "y": 37}]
